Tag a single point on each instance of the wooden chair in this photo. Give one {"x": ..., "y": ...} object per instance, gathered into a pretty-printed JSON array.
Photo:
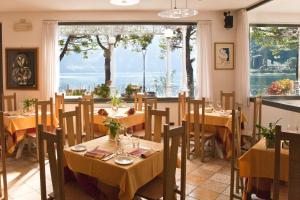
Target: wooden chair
[
  {"x": 166, "y": 187},
  {"x": 294, "y": 163},
  {"x": 59, "y": 103},
  {"x": 11, "y": 102},
  {"x": 253, "y": 136},
  {"x": 87, "y": 109},
  {"x": 181, "y": 106},
  {"x": 72, "y": 132},
  {"x": 227, "y": 100},
  {"x": 54, "y": 145},
  {"x": 3, "y": 191},
  {"x": 157, "y": 124},
  {"x": 236, "y": 182},
  {"x": 138, "y": 101},
  {"x": 87, "y": 96},
  {"x": 148, "y": 101},
  {"x": 199, "y": 134},
  {"x": 42, "y": 110}
]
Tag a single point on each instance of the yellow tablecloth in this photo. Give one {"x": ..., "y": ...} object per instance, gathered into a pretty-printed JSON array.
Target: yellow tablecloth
[
  {"x": 121, "y": 116},
  {"x": 16, "y": 124},
  {"x": 257, "y": 166},
  {"x": 258, "y": 162},
  {"x": 223, "y": 122},
  {"x": 127, "y": 178}
]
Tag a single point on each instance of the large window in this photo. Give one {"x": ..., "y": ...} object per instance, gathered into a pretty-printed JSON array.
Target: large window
[
  {"x": 156, "y": 58},
  {"x": 274, "y": 51}
]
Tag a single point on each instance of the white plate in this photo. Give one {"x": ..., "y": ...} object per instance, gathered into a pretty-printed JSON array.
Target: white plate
[
  {"x": 78, "y": 148},
  {"x": 123, "y": 160}
]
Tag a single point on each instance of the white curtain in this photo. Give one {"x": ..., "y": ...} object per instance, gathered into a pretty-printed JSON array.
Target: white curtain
[
  {"x": 242, "y": 84},
  {"x": 50, "y": 59},
  {"x": 204, "y": 87}
]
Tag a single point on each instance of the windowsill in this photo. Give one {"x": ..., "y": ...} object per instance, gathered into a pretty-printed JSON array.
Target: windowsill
[
  {"x": 282, "y": 102},
  {"x": 72, "y": 100}
]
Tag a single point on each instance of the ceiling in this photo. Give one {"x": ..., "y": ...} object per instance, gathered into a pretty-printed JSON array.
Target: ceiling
[
  {"x": 280, "y": 6},
  {"x": 89, "y": 5}
]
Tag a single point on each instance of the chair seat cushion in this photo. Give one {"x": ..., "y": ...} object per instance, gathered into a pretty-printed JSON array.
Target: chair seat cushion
[{"x": 152, "y": 190}]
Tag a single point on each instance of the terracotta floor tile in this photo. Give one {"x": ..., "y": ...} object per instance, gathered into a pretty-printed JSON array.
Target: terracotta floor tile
[
  {"x": 204, "y": 194},
  {"x": 222, "y": 197},
  {"x": 203, "y": 172},
  {"x": 221, "y": 178},
  {"x": 194, "y": 180},
  {"x": 212, "y": 167},
  {"x": 214, "y": 186}
]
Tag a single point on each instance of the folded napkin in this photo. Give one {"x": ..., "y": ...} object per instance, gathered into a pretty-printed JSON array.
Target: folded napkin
[
  {"x": 102, "y": 112},
  {"x": 97, "y": 153},
  {"x": 130, "y": 111},
  {"x": 144, "y": 153}
]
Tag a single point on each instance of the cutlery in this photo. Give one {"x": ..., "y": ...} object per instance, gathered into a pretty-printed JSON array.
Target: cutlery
[{"x": 108, "y": 157}]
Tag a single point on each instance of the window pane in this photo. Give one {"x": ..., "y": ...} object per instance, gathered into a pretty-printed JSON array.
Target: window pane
[{"x": 273, "y": 60}]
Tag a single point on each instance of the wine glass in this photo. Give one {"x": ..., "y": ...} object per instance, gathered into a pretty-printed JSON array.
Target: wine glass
[{"x": 219, "y": 106}]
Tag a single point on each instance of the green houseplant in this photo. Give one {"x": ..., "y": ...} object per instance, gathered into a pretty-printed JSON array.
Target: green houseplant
[
  {"x": 113, "y": 128},
  {"x": 28, "y": 104},
  {"x": 102, "y": 90},
  {"x": 268, "y": 133}
]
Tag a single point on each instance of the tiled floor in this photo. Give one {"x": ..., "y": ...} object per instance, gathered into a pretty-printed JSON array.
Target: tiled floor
[{"x": 205, "y": 181}]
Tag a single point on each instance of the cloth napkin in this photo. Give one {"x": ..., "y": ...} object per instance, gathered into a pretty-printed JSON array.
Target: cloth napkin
[
  {"x": 97, "y": 153},
  {"x": 102, "y": 112},
  {"x": 130, "y": 111},
  {"x": 144, "y": 153}
]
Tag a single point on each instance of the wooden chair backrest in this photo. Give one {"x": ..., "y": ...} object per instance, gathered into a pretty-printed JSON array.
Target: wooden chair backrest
[
  {"x": 87, "y": 96},
  {"x": 236, "y": 153},
  {"x": 54, "y": 144},
  {"x": 158, "y": 116},
  {"x": 294, "y": 163},
  {"x": 181, "y": 106},
  {"x": 72, "y": 131},
  {"x": 138, "y": 101},
  {"x": 3, "y": 191},
  {"x": 173, "y": 137},
  {"x": 227, "y": 100},
  {"x": 87, "y": 109},
  {"x": 59, "y": 103},
  {"x": 41, "y": 112},
  {"x": 257, "y": 116},
  {"x": 198, "y": 123},
  {"x": 11, "y": 102},
  {"x": 149, "y": 101}
]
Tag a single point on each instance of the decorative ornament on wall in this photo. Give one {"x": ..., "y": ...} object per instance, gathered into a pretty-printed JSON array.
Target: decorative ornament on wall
[
  {"x": 21, "y": 68},
  {"x": 224, "y": 56},
  {"x": 23, "y": 25}
]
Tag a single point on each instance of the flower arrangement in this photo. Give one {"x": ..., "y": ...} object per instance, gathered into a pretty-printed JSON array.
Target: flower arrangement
[
  {"x": 113, "y": 127},
  {"x": 102, "y": 90},
  {"x": 269, "y": 133},
  {"x": 28, "y": 102},
  {"x": 131, "y": 89},
  {"x": 280, "y": 87}
]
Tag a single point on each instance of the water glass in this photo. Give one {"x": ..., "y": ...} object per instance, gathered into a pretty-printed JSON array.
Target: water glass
[{"x": 135, "y": 142}]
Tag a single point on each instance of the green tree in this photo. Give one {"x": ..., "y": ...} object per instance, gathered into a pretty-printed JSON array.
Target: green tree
[{"x": 275, "y": 38}]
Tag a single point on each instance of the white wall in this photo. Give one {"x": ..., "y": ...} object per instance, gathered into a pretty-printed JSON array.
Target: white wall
[{"x": 223, "y": 80}]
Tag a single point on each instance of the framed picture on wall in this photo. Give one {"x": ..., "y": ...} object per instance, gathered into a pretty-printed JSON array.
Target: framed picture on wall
[
  {"x": 21, "y": 68},
  {"x": 224, "y": 56}
]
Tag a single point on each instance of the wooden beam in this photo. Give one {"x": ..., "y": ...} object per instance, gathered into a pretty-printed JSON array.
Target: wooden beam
[
  {"x": 258, "y": 4},
  {"x": 1, "y": 68}
]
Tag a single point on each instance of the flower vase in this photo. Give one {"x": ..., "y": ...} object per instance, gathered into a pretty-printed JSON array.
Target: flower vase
[
  {"x": 113, "y": 137},
  {"x": 115, "y": 109},
  {"x": 270, "y": 143}
]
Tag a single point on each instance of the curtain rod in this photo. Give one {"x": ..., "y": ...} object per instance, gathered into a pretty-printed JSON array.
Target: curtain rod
[{"x": 258, "y": 4}]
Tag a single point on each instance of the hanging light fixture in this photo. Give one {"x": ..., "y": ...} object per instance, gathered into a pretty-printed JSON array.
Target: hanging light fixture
[
  {"x": 176, "y": 13},
  {"x": 124, "y": 2}
]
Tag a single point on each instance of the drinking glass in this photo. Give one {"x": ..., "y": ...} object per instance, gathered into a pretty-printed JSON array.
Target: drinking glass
[{"x": 135, "y": 142}]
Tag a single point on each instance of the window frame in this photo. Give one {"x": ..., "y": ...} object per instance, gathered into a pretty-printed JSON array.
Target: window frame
[
  {"x": 298, "y": 67},
  {"x": 71, "y": 99}
]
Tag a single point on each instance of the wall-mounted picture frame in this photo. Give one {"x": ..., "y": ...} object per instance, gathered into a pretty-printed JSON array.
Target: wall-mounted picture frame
[
  {"x": 224, "y": 56},
  {"x": 21, "y": 68}
]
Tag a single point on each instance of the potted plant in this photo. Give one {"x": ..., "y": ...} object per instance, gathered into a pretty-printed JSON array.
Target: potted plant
[
  {"x": 28, "y": 104},
  {"x": 131, "y": 89},
  {"x": 115, "y": 102},
  {"x": 113, "y": 128},
  {"x": 268, "y": 133},
  {"x": 102, "y": 90}
]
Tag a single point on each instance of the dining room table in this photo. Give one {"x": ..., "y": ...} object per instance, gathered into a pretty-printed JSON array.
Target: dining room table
[
  {"x": 257, "y": 166},
  {"x": 121, "y": 115},
  {"x": 219, "y": 121},
  {"x": 16, "y": 124},
  {"x": 128, "y": 177}
]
